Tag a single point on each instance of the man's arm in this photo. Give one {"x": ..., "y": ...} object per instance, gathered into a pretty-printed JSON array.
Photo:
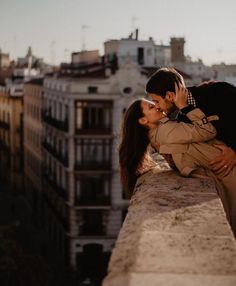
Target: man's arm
[
  {"x": 200, "y": 130},
  {"x": 179, "y": 132}
]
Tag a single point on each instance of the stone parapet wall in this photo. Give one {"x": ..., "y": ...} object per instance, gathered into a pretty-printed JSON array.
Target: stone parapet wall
[{"x": 175, "y": 233}]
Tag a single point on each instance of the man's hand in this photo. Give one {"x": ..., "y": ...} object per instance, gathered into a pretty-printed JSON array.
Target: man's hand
[
  {"x": 223, "y": 164},
  {"x": 181, "y": 96}
]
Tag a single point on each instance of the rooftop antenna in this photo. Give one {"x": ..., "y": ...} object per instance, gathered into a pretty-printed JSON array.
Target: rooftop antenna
[{"x": 84, "y": 27}]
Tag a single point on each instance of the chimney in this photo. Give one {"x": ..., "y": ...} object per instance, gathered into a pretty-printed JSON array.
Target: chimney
[{"x": 136, "y": 34}]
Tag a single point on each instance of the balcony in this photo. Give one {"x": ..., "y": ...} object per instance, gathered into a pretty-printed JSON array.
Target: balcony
[
  {"x": 4, "y": 125},
  {"x": 58, "y": 124},
  {"x": 92, "y": 229},
  {"x": 93, "y": 166},
  {"x": 96, "y": 201},
  {"x": 4, "y": 146},
  {"x": 91, "y": 223},
  {"x": 52, "y": 203},
  {"x": 96, "y": 130},
  {"x": 56, "y": 154},
  {"x": 175, "y": 233},
  {"x": 52, "y": 183}
]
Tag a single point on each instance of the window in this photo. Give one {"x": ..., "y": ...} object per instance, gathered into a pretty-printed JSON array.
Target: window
[
  {"x": 92, "y": 223},
  {"x": 93, "y": 189},
  {"x": 93, "y": 116},
  {"x": 93, "y": 153},
  {"x": 127, "y": 90},
  {"x": 141, "y": 56},
  {"x": 92, "y": 89}
]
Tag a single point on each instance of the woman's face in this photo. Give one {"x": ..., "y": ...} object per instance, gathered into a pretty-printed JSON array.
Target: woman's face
[{"x": 151, "y": 113}]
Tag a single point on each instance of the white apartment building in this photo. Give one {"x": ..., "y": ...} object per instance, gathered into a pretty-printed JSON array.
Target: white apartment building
[
  {"x": 144, "y": 52},
  {"x": 15, "y": 84},
  {"x": 82, "y": 121}
]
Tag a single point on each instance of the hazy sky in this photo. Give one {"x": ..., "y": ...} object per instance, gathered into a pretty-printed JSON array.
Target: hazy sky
[{"x": 54, "y": 27}]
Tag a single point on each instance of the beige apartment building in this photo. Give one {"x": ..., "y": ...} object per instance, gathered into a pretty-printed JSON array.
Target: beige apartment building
[
  {"x": 11, "y": 138},
  {"x": 33, "y": 131}
]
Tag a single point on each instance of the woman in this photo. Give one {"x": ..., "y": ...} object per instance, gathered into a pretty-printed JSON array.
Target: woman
[{"x": 190, "y": 146}]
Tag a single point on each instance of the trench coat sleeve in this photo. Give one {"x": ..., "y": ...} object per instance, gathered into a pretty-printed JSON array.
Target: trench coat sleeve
[{"x": 200, "y": 130}]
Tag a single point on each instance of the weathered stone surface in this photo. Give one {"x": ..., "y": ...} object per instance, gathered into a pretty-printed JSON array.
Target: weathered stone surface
[
  {"x": 175, "y": 233},
  {"x": 152, "y": 279}
]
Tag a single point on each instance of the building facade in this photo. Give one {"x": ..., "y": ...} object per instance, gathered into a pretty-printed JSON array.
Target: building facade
[
  {"x": 33, "y": 132},
  {"x": 224, "y": 72},
  {"x": 82, "y": 118},
  {"x": 143, "y": 52},
  {"x": 11, "y": 139}
]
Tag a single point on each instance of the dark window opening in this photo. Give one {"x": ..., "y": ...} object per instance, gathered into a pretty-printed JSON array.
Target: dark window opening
[
  {"x": 92, "y": 89},
  {"x": 127, "y": 90},
  {"x": 93, "y": 189},
  {"x": 141, "y": 56},
  {"x": 92, "y": 223},
  {"x": 93, "y": 116}
]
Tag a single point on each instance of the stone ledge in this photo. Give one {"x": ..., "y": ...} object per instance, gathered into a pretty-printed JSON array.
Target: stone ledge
[
  {"x": 175, "y": 233},
  {"x": 146, "y": 279}
]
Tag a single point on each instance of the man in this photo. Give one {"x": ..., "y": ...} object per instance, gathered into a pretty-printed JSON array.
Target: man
[{"x": 215, "y": 98}]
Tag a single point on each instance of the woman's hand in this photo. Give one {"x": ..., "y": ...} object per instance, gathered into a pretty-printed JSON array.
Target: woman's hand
[
  {"x": 223, "y": 164},
  {"x": 181, "y": 96}
]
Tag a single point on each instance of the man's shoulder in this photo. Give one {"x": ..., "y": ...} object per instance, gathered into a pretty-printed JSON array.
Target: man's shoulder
[
  {"x": 213, "y": 89},
  {"x": 211, "y": 86}
]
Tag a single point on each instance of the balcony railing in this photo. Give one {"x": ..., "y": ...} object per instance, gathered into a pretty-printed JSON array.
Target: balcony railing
[
  {"x": 93, "y": 165},
  {"x": 96, "y": 201},
  {"x": 59, "y": 124},
  {"x": 52, "y": 206},
  {"x": 4, "y": 125},
  {"x": 101, "y": 129},
  {"x": 52, "y": 183},
  {"x": 4, "y": 146},
  {"x": 56, "y": 154},
  {"x": 92, "y": 229}
]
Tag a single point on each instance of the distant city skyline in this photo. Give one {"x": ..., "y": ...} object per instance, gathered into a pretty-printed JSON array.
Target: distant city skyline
[{"x": 56, "y": 28}]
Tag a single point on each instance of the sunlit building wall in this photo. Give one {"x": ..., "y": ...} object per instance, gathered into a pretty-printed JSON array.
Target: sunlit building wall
[
  {"x": 11, "y": 138},
  {"x": 33, "y": 131}
]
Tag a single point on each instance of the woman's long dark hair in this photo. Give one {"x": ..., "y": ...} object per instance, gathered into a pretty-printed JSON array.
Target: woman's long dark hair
[{"x": 133, "y": 147}]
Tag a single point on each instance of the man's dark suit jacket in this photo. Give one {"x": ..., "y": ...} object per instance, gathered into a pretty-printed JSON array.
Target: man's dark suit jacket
[{"x": 218, "y": 98}]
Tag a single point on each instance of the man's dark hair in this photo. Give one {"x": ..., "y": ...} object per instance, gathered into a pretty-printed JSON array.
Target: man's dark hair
[{"x": 163, "y": 80}]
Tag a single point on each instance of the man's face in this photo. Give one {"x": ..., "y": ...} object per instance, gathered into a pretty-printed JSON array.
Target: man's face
[{"x": 164, "y": 104}]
